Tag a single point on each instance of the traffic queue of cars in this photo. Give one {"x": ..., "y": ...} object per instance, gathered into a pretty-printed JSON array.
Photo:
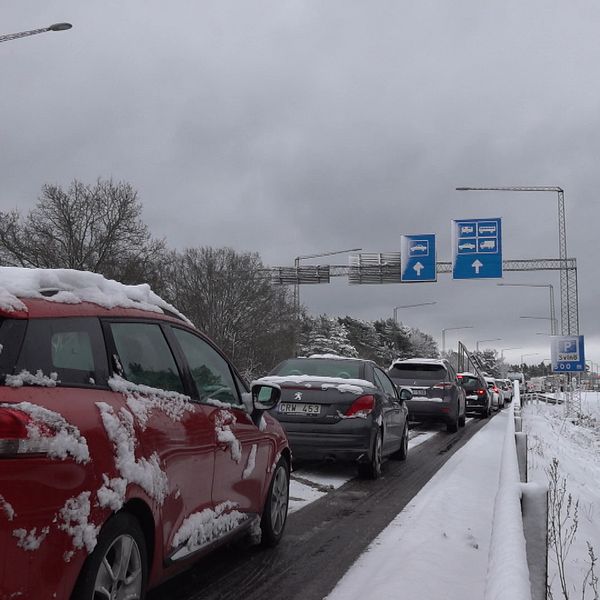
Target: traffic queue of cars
[{"x": 130, "y": 446}]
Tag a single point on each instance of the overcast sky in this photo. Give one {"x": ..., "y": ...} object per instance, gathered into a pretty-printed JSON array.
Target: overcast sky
[{"x": 291, "y": 127}]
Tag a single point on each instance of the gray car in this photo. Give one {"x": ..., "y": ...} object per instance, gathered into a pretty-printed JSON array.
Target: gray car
[
  {"x": 436, "y": 391},
  {"x": 339, "y": 409}
]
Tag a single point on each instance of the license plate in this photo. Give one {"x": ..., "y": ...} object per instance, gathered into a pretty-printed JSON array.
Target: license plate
[
  {"x": 299, "y": 408},
  {"x": 419, "y": 393}
]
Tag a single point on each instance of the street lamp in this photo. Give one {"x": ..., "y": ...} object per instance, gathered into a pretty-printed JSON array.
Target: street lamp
[
  {"x": 54, "y": 27},
  {"x": 481, "y": 341},
  {"x": 543, "y": 319},
  {"x": 410, "y": 306},
  {"x": 297, "y": 284},
  {"x": 553, "y": 323},
  {"x": 451, "y": 329}
]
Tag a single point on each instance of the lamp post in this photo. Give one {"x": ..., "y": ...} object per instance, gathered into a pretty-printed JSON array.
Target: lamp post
[
  {"x": 569, "y": 310},
  {"x": 451, "y": 329},
  {"x": 543, "y": 319},
  {"x": 481, "y": 341},
  {"x": 553, "y": 326},
  {"x": 15, "y": 36},
  {"x": 297, "y": 284},
  {"x": 410, "y": 306}
]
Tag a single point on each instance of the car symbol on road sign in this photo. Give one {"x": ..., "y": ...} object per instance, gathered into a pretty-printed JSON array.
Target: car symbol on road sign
[
  {"x": 417, "y": 258},
  {"x": 476, "y": 248}
]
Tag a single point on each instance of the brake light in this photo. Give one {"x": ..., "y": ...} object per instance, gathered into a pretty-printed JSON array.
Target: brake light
[
  {"x": 442, "y": 386},
  {"x": 362, "y": 406},
  {"x": 15, "y": 429},
  {"x": 497, "y": 390},
  {"x": 480, "y": 392}
]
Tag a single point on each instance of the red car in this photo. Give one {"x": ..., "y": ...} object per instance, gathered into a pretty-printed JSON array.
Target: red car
[{"x": 129, "y": 445}]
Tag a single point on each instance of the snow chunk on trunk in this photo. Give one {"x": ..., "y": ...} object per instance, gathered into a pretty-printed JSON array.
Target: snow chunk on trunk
[{"x": 49, "y": 432}]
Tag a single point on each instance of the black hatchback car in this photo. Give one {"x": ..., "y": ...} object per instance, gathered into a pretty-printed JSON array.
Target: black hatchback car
[
  {"x": 341, "y": 409},
  {"x": 436, "y": 391}
]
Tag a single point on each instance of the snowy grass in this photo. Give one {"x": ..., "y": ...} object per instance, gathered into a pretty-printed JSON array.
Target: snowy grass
[{"x": 567, "y": 451}]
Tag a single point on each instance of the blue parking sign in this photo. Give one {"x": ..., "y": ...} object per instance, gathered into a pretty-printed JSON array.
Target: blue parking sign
[
  {"x": 477, "y": 248},
  {"x": 568, "y": 354}
]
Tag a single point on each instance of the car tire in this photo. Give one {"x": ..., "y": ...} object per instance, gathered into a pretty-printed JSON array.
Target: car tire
[
  {"x": 462, "y": 421},
  {"x": 372, "y": 469},
  {"x": 452, "y": 426},
  {"x": 122, "y": 547},
  {"x": 275, "y": 512},
  {"x": 402, "y": 453}
]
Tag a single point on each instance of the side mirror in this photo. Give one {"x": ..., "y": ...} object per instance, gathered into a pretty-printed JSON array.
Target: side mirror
[
  {"x": 405, "y": 394},
  {"x": 265, "y": 396}
]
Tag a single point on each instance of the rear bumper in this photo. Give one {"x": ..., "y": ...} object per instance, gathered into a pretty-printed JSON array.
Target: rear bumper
[
  {"x": 431, "y": 410},
  {"x": 348, "y": 440}
]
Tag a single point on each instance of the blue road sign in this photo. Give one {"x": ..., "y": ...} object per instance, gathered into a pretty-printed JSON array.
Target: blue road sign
[
  {"x": 417, "y": 258},
  {"x": 477, "y": 248},
  {"x": 567, "y": 354}
]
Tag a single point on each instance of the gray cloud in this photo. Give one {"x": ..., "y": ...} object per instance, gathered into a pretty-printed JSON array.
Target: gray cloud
[{"x": 290, "y": 127}]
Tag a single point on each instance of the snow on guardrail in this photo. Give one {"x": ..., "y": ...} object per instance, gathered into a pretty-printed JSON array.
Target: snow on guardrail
[{"x": 508, "y": 570}]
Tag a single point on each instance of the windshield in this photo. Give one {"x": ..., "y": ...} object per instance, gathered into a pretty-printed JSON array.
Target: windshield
[{"x": 345, "y": 369}]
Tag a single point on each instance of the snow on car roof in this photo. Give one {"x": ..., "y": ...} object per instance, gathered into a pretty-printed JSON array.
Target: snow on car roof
[
  {"x": 417, "y": 361},
  {"x": 332, "y": 356},
  {"x": 74, "y": 287}
]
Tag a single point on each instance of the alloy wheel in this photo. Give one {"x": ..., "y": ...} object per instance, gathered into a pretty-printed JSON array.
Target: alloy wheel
[
  {"x": 120, "y": 575},
  {"x": 279, "y": 500}
]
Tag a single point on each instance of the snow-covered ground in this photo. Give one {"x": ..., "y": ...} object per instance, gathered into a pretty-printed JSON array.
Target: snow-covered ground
[
  {"x": 570, "y": 447},
  {"x": 437, "y": 547}
]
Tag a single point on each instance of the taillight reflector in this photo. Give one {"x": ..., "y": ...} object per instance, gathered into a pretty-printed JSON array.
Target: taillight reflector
[
  {"x": 13, "y": 424},
  {"x": 15, "y": 435},
  {"x": 363, "y": 405},
  {"x": 442, "y": 386}
]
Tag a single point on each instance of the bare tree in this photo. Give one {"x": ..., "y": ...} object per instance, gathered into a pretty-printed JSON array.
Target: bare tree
[
  {"x": 229, "y": 296},
  {"x": 94, "y": 228}
]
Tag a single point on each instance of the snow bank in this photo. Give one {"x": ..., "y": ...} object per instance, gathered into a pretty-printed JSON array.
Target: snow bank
[{"x": 75, "y": 287}]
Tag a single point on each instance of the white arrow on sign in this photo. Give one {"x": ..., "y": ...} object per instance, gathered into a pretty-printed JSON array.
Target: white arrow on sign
[
  {"x": 418, "y": 267},
  {"x": 477, "y": 264}
]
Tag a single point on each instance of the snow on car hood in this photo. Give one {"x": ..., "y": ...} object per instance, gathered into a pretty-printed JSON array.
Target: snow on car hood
[
  {"x": 75, "y": 287},
  {"x": 355, "y": 386}
]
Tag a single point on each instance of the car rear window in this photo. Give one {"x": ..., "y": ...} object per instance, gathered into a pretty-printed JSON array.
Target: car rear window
[
  {"x": 320, "y": 367},
  {"x": 73, "y": 348},
  {"x": 418, "y": 371},
  {"x": 469, "y": 383}
]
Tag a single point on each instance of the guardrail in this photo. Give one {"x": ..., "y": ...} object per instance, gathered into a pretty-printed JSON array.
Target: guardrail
[
  {"x": 518, "y": 558},
  {"x": 541, "y": 397}
]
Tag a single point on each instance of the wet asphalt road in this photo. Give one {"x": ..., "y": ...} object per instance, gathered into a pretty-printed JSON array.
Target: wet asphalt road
[{"x": 322, "y": 540}]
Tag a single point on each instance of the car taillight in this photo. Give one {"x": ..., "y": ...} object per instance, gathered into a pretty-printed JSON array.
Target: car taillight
[
  {"x": 442, "y": 386},
  {"x": 362, "y": 406},
  {"x": 497, "y": 390},
  {"x": 480, "y": 392},
  {"x": 15, "y": 434}
]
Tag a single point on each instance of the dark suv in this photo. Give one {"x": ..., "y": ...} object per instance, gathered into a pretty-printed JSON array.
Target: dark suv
[
  {"x": 478, "y": 395},
  {"x": 129, "y": 445},
  {"x": 436, "y": 391}
]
